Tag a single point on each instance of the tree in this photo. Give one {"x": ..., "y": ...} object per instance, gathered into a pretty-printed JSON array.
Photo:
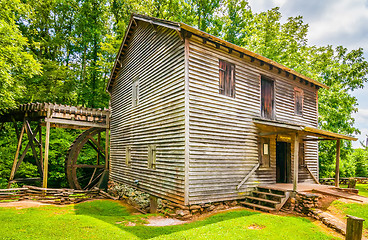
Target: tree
[{"x": 16, "y": 64}]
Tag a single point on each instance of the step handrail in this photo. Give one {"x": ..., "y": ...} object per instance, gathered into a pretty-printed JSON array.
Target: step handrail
[
  {"x": 310, "y": 173},
  {"x": 248, "y": 176}
]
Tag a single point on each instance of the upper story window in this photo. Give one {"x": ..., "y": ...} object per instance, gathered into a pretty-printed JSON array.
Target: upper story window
[
  {"x": 227, "y": 78},
  {"x": 298, "y": 99},
  {"x": 135, "y": 92},
  {"x": 267, "y": 98}
]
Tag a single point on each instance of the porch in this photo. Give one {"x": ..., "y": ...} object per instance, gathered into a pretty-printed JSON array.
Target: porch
[{"x": 294, "y": 135}]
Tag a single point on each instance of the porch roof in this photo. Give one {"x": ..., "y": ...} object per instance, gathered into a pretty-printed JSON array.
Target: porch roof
[{"x": 272, "y": 127}]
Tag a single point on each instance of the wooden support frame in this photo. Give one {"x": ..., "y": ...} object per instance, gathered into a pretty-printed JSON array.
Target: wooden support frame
[
  {"x": 12, "y": 173},
  {"x": 53, "y": 115}
]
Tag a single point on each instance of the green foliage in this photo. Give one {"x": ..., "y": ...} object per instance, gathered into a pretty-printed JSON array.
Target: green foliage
[
  {"x": 107, "y": 220},
  {"x": 16, "y": 64}
]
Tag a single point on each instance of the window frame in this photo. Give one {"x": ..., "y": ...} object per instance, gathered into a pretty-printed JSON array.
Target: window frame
[
  {"x": 151, "y": 158},
  {"x": 128, "y": 155},
  {"x": 264, "y": 159},
  {"x": 227, "y": 78},
  {"x": 135, "y": 92},
  {"x": 273, "y": 113}
]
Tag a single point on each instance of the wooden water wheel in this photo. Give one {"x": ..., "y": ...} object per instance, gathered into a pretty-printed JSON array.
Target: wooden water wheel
[{"x": 85, "y": 160}]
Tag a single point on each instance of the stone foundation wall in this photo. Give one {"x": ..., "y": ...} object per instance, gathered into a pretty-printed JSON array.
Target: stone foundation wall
[
  {"x": 305, "y": 203},
  {"x": 141, "y": 200}
]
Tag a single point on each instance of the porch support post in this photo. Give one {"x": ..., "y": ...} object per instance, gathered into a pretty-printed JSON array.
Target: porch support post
[
  {"x": 337, "y": 175},
  {"x": 296, "y": 163}
]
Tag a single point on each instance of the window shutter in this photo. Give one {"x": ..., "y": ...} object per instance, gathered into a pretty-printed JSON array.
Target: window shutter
[
  {"x": 222, "y": 76},
  {"x": 232, "y": 81},
  {"x": 128, "y": 155},
  {"x": 135, "y": 92},
  {"x": 152, "y": 157},
  {"x": 267, "y": 98},
  {"x": 298, "y": 93},
  {"x": 226, "y": 78}
]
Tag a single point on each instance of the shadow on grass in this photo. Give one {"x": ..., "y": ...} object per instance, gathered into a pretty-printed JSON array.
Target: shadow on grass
[{"x": 113, "y": 213}]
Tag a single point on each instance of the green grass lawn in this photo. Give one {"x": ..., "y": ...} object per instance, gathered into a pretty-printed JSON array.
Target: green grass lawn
[
  {"x": 104, "y": 219},
  {"x": 363, "y": 189},
  {"x": 355, "y": 209}
]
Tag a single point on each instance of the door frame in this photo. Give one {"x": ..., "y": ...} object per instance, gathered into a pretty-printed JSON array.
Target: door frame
[{"x": 287, "y": 162}]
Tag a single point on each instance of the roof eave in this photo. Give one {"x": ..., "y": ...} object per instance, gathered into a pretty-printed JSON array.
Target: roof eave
[{"x": 210, "y": 37}]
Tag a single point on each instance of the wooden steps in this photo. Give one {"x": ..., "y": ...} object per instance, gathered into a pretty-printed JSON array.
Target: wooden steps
[
  {"x": 266, "y": 199},
  {"x": 257, "y": 206}
]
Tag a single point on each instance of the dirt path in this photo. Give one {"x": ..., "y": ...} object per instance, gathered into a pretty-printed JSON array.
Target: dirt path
[{"x": 22, "y": 204}]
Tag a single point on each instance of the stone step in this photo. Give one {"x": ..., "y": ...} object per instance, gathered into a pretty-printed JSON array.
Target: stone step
[
  {"x": 254, "y": 206},
  {"x": 268, "y": 194},
  {"x": 262, "y": 200}
]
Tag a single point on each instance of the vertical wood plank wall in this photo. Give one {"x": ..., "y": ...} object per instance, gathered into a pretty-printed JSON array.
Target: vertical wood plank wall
[
  {"x": 223, "y": 140},
  {"x": 156, "y": 57}
]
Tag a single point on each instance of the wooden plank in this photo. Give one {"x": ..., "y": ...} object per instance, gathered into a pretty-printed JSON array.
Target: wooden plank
[
  {"x": 337, "y": 169},
  {"x": 354, "y": 228},
  {"x": 76, "y": 123},
  {"x": 248, "y": 175},
  {"x": 87, "y": 166},
  {"x": 296, "y": 162},
  {"x": 47, "y": 143}
]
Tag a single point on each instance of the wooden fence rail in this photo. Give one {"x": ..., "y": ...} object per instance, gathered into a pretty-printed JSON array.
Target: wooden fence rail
[
  {"x": 344, "y": 181},
  {"x": 51, "y": 195}
]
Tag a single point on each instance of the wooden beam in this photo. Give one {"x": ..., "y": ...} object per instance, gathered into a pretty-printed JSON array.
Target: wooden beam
[
  {"x": 47, "y": 143},
  {"x": 337, "y": 174},
  {"x": 40, "y": 144},
  {"x": 20, "y": 160},
  {"x": 12, "y": 173},
  {"x": 296, "y": 163},
  {"x": 318, "y": 139},
  {"x": 31, "y": 137},
  {"x": 273, "y": 133},
  {"x": 75, "y": 123}
]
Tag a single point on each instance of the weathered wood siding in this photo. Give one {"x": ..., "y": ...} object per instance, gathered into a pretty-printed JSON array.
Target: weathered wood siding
[
  {"x": 155, "y": 56},
  {"x": 223, "y": 144}
]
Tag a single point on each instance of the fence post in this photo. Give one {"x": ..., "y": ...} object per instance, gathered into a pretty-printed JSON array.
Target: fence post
[
  {"x": 354, "y": 228},
  {"x": 153, "y": 204}
]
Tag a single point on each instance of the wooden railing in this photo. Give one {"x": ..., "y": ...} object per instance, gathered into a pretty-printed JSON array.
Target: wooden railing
[
  {"x": 248, "y": 176},
  {"x": 343, "y": 181},
  {"x": 51, "y": 195},
  {"x": 311, "y": 174}
]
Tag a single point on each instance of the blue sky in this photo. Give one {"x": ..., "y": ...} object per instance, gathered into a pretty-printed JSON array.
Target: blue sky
[{"x": 332, "y": 22}]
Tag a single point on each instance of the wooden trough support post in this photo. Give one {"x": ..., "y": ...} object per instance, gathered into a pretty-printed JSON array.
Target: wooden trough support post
[
  {"x": 17, "y": 153},
  {"x": 47, "y": 142},
  {"x": 337, "y": 175},
  {"x": 354, "y": 228}
]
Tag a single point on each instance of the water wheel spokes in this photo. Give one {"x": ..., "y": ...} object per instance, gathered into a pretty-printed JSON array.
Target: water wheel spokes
[{"x": 85, "y": 161}]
